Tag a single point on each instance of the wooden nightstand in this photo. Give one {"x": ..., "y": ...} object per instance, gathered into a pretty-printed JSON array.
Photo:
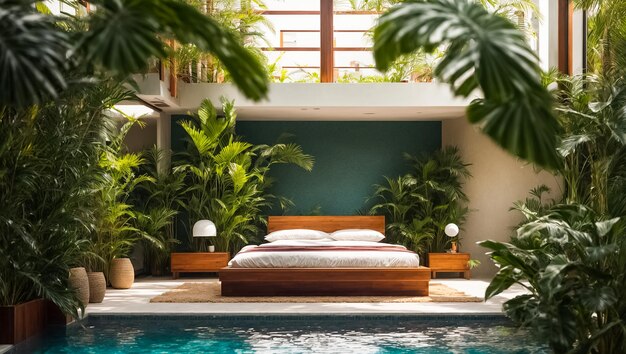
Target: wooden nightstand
[
  {"x": 449, "y": 262},
  {"x": 193, "y": 262}
]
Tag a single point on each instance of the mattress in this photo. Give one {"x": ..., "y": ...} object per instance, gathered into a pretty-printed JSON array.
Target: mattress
[{"x": 325, "y": 254}]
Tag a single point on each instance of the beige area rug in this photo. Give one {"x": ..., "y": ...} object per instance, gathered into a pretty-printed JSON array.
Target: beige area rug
[{"x": 210, "y": 292}]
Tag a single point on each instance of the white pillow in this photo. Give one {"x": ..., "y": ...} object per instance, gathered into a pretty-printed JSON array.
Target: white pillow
[
  {"x": 357, "y": 235},
  {"x": 296, "y": 234}
]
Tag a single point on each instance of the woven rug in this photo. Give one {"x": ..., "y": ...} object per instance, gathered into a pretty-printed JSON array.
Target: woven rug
[{"x": 210, "y": 292}]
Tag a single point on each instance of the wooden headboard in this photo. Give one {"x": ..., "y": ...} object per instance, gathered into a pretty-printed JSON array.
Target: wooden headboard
[{"x": 326, "y": 223}]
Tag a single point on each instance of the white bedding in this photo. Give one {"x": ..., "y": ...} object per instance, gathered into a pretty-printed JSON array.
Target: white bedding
[{"x": 324, "y": 259}]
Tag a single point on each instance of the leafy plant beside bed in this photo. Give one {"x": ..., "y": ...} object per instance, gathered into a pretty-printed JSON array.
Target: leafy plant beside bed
[
  {"x": 419, "y": 204},
  {"x": 226, "y": 178},
  {"x": 158, "y": 200},
  {"x": 115, "y": 230}
]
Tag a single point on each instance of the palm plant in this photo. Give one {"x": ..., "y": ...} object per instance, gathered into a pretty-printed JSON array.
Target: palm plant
[
  {"x": 115, "y": 233},
  {"x": 573, "y": 265},
  {"x": 243, "y": 20},
  {"x": 606, "y": 40},
  {"x": 50, "y": 151},
  {"x": 157, "y": 199},
  {"x": 421, "y": 203},
  {"x": 48, "y": 158},
  {"x": 484, "y": 52},
  {"x": 227, "y": 179},
  {"x": 592, "y": 112}
]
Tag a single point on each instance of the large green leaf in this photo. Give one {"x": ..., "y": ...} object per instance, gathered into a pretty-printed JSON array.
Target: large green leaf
[
  {"x": 484, "y": 52},
  {"x": 124, "y": 34},
  {"x": 32, "y": 55}
]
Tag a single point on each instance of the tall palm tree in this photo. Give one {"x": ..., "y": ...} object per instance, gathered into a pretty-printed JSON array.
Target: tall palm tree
[{"x": 485, "y": 53}]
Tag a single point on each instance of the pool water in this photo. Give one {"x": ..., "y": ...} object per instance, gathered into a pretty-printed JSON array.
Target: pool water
[{"x": 284, "y": 335}]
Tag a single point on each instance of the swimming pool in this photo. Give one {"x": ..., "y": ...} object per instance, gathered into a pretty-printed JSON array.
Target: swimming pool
[{"x": 284, "y": 334}]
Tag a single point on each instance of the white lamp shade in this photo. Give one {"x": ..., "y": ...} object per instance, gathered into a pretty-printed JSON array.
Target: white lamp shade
[
  {"x": 204, "y": 228},
  {"x": 451, "y": 230}
]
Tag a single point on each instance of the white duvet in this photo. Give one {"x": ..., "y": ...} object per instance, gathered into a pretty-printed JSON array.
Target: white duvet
[{"x": 324, "y": 259}]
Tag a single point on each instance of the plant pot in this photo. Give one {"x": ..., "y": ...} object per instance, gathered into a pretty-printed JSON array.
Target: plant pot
[
  {"x": 121, "y": 273},
  {"x": 80, "y": 283},
  {"x": 211, "y": 249},
  {"x": 19, "y": 322},
  {"x": 97, "y": 287}
]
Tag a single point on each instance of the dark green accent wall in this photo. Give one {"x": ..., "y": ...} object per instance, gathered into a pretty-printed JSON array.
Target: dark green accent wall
[{"x": 350, "y": 157}]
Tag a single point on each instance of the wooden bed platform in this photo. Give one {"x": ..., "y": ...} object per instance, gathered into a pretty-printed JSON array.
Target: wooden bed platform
[{"x": 325, "y": 281}]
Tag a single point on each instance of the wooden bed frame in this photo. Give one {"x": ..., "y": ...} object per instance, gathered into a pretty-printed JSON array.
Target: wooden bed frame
[{"x": 325, "y": 281}]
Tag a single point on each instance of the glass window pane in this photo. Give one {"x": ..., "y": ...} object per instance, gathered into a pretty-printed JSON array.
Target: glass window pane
[
  {"x": 285, "y": 25},
  {"x": 353, "y": 39},
  {"x": 295, "y": 5},
  {"x": 294, "y": 66}
]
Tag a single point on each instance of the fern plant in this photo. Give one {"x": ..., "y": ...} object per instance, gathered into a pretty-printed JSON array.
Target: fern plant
[{"x": 226, "y": 178}]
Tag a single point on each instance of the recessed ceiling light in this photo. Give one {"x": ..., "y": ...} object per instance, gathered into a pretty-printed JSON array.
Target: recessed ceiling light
[
  {"x": 134, "y": 110},
  {"x": 316, "y": 109},
  {"x": 369, "y": 113}
]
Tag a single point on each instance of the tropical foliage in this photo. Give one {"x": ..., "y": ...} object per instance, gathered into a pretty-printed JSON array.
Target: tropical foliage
[
  {"x": 243, "y": 20},
  {"x": 116, "y": 219},
  {"x": 420, "y": 204},
  {"x": 606, "y": 39},
  {"x": 484, "y": 52},
  {"x": 573, "y": 264},
  {"x": 227, "y": 178},
  {"x": 157, "y": 200},
  {"x": 592, "y": 112},
  {"x": 94, "y": 41},
  {"x": 48, "y": 159},
  {"x": 58, "y": 76}
]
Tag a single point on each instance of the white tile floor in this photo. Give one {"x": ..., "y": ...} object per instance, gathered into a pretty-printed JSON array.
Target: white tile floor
[{"x": 137, "y": 301}]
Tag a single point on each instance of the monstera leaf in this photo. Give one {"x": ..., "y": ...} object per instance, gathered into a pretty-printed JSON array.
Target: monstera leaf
[
  {"x": 38, "y": 52},
  {"x": 484, "y": 52},
  {"x": 32, "y": 55},
  {"x": 125, "y": 33}
]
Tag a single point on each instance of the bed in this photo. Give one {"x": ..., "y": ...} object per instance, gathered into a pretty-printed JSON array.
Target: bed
[{"x": 311, "y": 268}]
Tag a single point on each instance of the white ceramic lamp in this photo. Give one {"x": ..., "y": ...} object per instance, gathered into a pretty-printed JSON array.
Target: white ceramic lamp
[
  {"x": 205, "y": 228},
  {"x": 452, "y": 230}
]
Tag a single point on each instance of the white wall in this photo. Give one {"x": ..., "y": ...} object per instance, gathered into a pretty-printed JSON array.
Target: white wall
[
  {"x": 577, "y": 42},
  {"x": 498, "y": 180}
]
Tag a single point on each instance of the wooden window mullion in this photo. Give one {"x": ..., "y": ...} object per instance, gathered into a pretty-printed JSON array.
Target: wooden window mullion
[{"x": 327, "y": 61}]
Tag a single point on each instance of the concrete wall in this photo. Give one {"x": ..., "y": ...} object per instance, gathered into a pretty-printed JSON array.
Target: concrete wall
[
  {"x": 498, "y": 180},
  {"x": 142, "y": 138}
]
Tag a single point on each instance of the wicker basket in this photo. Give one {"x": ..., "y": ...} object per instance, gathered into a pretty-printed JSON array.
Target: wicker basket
[
  {"x": 122, "y": 273},
  {"x": 97, "y": 287},
  {"x": 79, "y": 281}
]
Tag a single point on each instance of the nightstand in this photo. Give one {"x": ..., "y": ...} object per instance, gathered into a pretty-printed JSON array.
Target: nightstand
[
  {"x": 194, "y": 262},
  {"x": 449, "y": 262}
]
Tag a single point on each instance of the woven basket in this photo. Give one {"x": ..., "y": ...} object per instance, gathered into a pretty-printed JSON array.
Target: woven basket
[
  {"x": 122, "y": 273},
  {"x": 79, "y": 281},
  {"x": 97, "y": 287}
]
